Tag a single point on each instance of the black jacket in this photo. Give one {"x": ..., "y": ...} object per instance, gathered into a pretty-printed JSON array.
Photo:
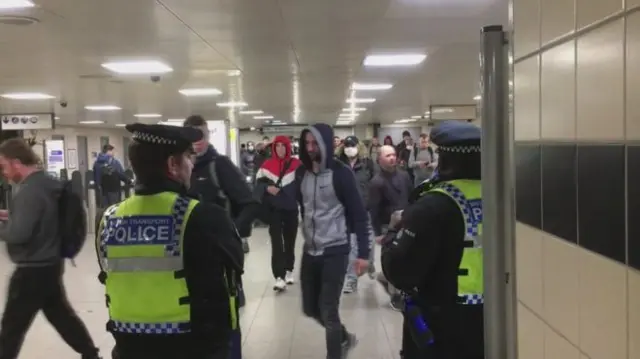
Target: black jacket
[
  {"x": 238, "y": 196},
  {"x": 388, "y": 192},
  {"x": 426, "y": 256},
  {"x": 211, "y": 249}
]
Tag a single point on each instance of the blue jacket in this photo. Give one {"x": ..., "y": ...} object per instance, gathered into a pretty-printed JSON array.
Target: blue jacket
[
  {"x": 330, "y": 201},
  {"x": 102, "y": 160}
]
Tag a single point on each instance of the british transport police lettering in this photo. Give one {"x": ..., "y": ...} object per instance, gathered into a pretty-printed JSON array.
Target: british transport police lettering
[{"x": 153, "y": 230}]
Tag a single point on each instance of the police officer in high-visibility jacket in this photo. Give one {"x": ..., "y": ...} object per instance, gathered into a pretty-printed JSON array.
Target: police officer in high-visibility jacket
[
  {"x": 436, "y": 257},
  {"x": 168, "y": 262}
]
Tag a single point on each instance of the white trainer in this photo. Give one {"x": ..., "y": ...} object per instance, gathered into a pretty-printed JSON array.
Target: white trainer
[
  {"x": 280, "y": 285},
  {"x": 288, "y": 278}
]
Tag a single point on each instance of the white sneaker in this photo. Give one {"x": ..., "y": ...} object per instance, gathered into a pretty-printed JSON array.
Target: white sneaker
[
  {"x": 280, "y": 285},
  {"x": 288, "y": 278}
]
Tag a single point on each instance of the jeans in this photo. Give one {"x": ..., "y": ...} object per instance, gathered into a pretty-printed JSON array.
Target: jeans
[
  {"x": 321, "y": 280},
  {"x": 353, "y": 254},
  {"x": 32, "y": 289},
  {"x": 283, "y": 229},
  {"x": 110, "y": 198}
]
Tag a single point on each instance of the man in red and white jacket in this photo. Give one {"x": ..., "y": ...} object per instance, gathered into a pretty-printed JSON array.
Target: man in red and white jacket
[{"x": 278, "y": 175}]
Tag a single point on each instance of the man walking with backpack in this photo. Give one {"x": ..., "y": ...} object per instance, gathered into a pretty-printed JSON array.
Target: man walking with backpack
[
  {"x": 107, "y": 175},
  {"x": 422, "y": 160},
  {"x": 332, "y": 209},
  {"x": 35, "y": 242}
]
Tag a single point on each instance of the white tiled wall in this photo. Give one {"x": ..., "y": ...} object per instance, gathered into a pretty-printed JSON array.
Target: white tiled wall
[
  {"x": 93, "y": 139},
  {"x": 573, "y": 303}
]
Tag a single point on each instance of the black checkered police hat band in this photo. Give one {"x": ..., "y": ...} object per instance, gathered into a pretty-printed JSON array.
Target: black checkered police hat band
[{"x": 152, "y": 139}]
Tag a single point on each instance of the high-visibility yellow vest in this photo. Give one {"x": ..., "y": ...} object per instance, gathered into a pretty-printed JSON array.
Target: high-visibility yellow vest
[
  {"x": 467, "y": 194},
  {"x": 140, "y": 248}
]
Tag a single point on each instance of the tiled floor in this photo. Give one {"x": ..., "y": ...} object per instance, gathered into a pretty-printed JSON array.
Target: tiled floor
[{"x": 273, "y": 325}]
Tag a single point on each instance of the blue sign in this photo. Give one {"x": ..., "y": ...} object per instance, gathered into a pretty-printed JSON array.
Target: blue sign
[
  {"x": 136, "y": 230},
  {"x": 56, "y": 152}
]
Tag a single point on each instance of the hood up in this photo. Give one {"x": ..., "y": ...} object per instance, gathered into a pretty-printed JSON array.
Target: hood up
[{"x": 323, "y": 134}]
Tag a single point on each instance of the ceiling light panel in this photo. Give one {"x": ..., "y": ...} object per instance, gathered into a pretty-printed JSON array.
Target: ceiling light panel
[
  {"x": 121, "y": 124},
  {"x": 252, "y": 112},
  {"x": 147, "y": 115},
  {"x": 265, "y": 117},
  {"x": 138, "y": 67},
  {"x": 357, "y": 86},
  {"x": 394, "y": 60},
  {"x": 232, "y": 104},
  {"x": 27, "y": 96},
  {"x": 102, "y": 108},
  {"x": 96, "y": 122},
  {"x": 200, "y": 92},
  {"x": 354, "y": 109},
  {"x": 361, "y": 100},
  {"x": 15, "y": 4}
]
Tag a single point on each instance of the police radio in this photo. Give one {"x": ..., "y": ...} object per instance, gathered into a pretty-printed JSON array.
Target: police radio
[{"x": 418, "y": 327}]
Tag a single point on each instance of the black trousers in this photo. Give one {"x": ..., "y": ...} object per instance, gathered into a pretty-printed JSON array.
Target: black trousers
[
  {"x": 32, "y": 289},
  {"x": 321, "y": 280},
  {"x": 283, "y": 229}
]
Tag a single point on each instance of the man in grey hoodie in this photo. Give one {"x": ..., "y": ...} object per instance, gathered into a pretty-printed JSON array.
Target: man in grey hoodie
[
  {"x": 422, "y": 160},
  {"x": 331, "y": 209},
  {"x": 34, "y": 245}
]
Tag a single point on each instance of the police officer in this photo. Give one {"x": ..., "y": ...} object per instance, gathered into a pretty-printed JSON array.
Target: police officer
[
  {"x": 168, "y": 262},
  {"x": 436, "y": 258}
]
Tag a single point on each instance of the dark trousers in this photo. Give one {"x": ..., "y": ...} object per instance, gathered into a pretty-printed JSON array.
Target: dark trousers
[
  {"x": 32, "y": 289},
  {"x": 321, "y": 280},
  {"x": 109, "y": 198},
  {"x": 283, "y": 229}
]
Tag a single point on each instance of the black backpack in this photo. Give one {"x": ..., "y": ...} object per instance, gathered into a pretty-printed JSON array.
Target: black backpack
[
  {"x": 108, "y": 169},
  {"x": 72, "y": 226}
]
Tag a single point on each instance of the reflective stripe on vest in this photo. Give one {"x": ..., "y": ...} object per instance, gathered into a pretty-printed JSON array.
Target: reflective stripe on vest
[
  {"x": 467, "y": 195},
  {"x": 140, "y": 250}
]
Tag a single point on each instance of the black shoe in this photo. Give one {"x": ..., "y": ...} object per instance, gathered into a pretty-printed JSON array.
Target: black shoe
[
  {"x": 397, "y": 303},
  {"x": 349, "y": 342}
]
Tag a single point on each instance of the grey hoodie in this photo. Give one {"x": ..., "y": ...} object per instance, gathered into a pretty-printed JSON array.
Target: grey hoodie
[{"x": 31, "y": 233}]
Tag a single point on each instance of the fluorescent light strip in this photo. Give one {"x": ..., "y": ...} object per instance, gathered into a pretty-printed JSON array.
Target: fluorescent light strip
[
  {"x": 252, "y": 112},
  {"x": 121, "y": 124},
  {"x": 405, "y": 120},
  {"x": 147, "y": 115},
  {"x": 138, "y": 67},
  {"x": 354, "y": 109},
  {"x": 195, "y": 92},
  {"x": 361, "y": 100},
  {"x": 394, "y": 60},
  {"x": 15, "y": 4},
  {"x": 477, "y": 98},
  {"x": 94, "y": 122},
  {"x": 232, "y": 104},
  {"x": 102, "y": 108},
  {"x": 266, "y": 117},
  {"x": 175, "y": 120},
  {"x": 371, "y": 86},
  {"x": 170, "y": 123},
  {"x": 27, "y": 96}
]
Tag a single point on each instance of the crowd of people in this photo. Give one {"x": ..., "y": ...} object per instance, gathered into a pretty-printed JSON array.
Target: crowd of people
[{"x": 173, "y": 276}]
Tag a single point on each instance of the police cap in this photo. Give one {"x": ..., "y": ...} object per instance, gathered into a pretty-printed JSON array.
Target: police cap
[
  {"x": 173, "y": 138},
  {"x": 456, "y": 136}
]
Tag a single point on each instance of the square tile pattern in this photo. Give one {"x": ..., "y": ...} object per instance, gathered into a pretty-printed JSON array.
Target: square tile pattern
[
  {"x": 273, "y": 324},
  {"x": 574, "y": 302}
]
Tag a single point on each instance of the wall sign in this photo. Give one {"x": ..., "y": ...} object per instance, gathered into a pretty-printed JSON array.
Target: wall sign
[
  {"x": 26, "y": 121},
  {"x": 54, "y": 150}
]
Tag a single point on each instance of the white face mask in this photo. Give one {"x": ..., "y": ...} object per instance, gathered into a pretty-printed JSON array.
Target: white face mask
[{"x": 351, "y": 151}]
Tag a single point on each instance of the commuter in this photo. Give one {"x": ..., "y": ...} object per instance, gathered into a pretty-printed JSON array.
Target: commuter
[
  {"x": 354, "y": 155},
  {"x": 388, "y": 141},
  {"x": 389, "y": 191},
  {"x": 422, "y": 160},
  {"x": 247, "y": 162},
  {"x": 277, "y": 174},
  {"x": 217, "y": 180},
  {"x": 266, "y": 143},
  {"x": 173, "y": 297},
  {"x": 107, "y": 175},
  {"x": 337, "y": 141},
  {"x": 403, "y": 151},
  {"x": 33, "y": 237},
  {"x": 331, "y": 209},
  {"x": 374, "y": 150},
  {"x": 437, "y": 257}
]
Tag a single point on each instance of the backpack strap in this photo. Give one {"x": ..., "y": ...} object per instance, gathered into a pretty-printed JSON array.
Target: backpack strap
[{"x": 213, "y": 173}]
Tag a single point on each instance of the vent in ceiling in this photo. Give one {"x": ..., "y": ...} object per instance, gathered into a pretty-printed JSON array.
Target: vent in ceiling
[{"x": 18, "y": 20}]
